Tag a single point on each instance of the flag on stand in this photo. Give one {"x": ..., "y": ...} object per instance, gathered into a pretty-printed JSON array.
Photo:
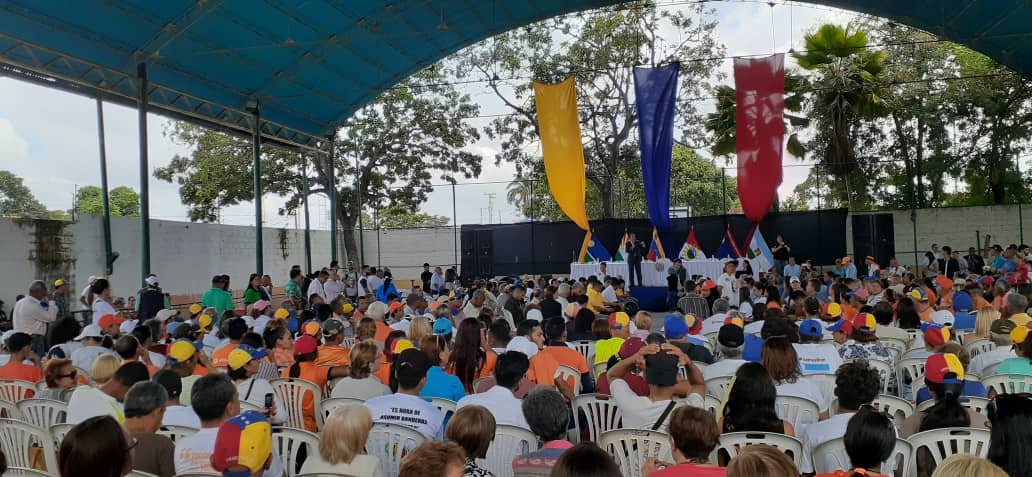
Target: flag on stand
[
  {"x": 618, "y": 256},
  {"x": 727, "y": 248},
  {"x": 593, "y": 251},
  {"x": 691, "y": 250},
  {"x": 656, "y": 248},
  {"x": 759, "y": 251}
]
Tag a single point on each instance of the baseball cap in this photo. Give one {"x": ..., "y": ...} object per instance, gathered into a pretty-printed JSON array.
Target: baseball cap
[
  {"x": 402, "y": 345},
  {"x": 729, "y": 320},
  {"x": 261, "y": 304},
  {"x": 127, "y": 326},
  {"x": 674, "y": 327},
  {"x": 281, "y": 313},
  {"x": 394, "y": 307},
  {"x": 630, "y": 347},
  {"x": 661, "y": 369},
  {"x": 522, "y": 345},
  {"x": 962, "y": 301},
  {"x": 942, "y": 317},
  {"x": 110, "y": 320},
  {"x": 935, "y": 335},
  {"x": 619, "y": 320},
  {"x": 793, "y": 280},
  {"x": 164, "y": 314},
  {"x": 944, "y": 282},
  {"x": 811, "y": 328},
  {"x": 243, "y": 354},
  {"x": 151, "y": 279},
  {"x": 864, "y": 322},
  {"x": 861, "y": 294},
  {"x": 305, "y": 344},
  {"x": 412, "y": 363},
  {"x": 204, "y": 323},
  {"x": 442, "y": 327},
  {"x": 731, "y": 335},
  {"x": 709, "y": 285},
  {"x": 59, "y": 283},
  {"x": 195, "y": 308},
  {"x": 182, "y": 350},
  {"x": 90, "y": 331},
  {"x": 841, "y": 326},
  {"x": 242, "y": 441},
  {"x": 1019, "y": 334},
  {"x": 347, "y": 308},
  {"x": 332, "y": 327},
  {"x": 311, "y": 328},
  {"x": 938, "y": 366},
  {"x": 1002, "y": 326},
  {"x": 917, "y": 294},
  {"x": 694, "y": 323},
  {"x": 831, "y": 310}
]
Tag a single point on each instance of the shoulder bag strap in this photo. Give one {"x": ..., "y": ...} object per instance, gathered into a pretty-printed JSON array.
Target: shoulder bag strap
[{"x": 662, "y": 417}]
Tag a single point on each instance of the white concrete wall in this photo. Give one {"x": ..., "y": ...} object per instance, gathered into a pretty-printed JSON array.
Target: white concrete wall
[{"x": 405, "y": 250}]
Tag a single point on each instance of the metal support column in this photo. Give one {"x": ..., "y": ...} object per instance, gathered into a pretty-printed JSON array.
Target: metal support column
[
  {"x": 455, "y": 218},
  {"x": 331, "y": 139},
  {"x": 530, "y": 199},
  {"x": 141, "y": 106},
  {"x": 359, "y": 205},
  {"x": 308, "y": 224},
  {"x": 256, "y": 155},
  {"x": 109, "y": 258}
]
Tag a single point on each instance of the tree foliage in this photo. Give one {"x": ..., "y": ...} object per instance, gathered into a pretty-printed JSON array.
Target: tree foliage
[
  {"x": 123, "y": 201},
  {"x": 386, "y": 155},
  {"x": 16, "y": 200}
]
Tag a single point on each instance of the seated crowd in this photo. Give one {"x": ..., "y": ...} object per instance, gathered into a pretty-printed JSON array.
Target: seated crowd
[{"x": 456, "y": 365}]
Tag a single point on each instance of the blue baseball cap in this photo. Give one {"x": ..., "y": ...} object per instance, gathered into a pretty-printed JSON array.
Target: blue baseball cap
[
  {"x": 841, "y": 325},
  {"x": 962, "y": 301},
  {"x": 811, "y": 328},
  {"x": 443, "y": 326},
  {"x": 675, "y": 327}
]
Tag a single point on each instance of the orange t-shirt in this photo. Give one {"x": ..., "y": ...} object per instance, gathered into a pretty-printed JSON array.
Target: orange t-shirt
[
  {"x": 200, "y": 371},
  {"x": 332, "y": 355},
  {"x": 848, "y": 312},
  {"x": 382, "y": 330},
  {"x": 567, "y": 356},
  {"x": 979, "y": 302},
  {"x": 316, "y": 375},
  {"x": 220, "y": 358},
  {"x": 384, "y": 373},
  {"x": 926, "y": 315},
  {"x": 22, "y": 371},
  {"x": 542, "y": 369}
]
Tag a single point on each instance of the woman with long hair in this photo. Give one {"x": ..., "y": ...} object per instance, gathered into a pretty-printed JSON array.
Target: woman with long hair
[
  {"x": 470, "y": 359},
  {"x": 1011, "y": 433},
  {"x": 387, "y": 288},
  {"x": 750, "y": 403},
  {"x": 984, "y": 319},
  {"x": 102, "y": 299},
  {"x": 306, "y": 350},
  {"x": 779, "y": 357},
  {"x": 579, "y": 329},
  {"x": 907, "y": 317},
  {"x": 99, "y": 444},
  {"x": 438, "y": 382},
  {"x": 254, "y": 291}
]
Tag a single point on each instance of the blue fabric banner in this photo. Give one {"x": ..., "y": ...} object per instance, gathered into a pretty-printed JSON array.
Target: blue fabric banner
[{"x": 656, "y": 94}]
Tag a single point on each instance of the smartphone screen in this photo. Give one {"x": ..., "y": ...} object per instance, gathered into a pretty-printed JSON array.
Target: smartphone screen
[
  {"x": 684, "y": 373},
  {"x": 268, "y": 401}
]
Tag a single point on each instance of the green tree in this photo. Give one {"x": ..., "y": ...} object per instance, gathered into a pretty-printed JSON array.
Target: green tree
[
  {"x": 599, "y": 49},
  {"x": 124, "y": 201},
  {"x": 399, "y": 217},
  {"x": 411, "y": 135},
  {"x": 17, "y": 201}
]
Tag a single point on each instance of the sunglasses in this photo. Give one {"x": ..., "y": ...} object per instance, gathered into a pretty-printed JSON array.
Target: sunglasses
[{"x": 71, "y": 375}]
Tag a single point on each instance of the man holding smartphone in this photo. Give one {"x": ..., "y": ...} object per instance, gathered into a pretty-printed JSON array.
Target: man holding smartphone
[{"x": 243, "y": 364}]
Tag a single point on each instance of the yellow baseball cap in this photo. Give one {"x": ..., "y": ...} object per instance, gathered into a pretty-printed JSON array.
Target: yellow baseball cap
[
  {"x": 244, "y": 354},
  {"x": 1019, "y": 334},
  {"x": 312, "y": 328},
  {"x": 619, "y": 320},
  {"x": 282, "y": 314},
  {"x": 204, "y": 323},
  {"x": 182, "y": 350},
  {"x": 59, "y": 283},
  {"x": 402, "y": 345},
  {"x": 348, "y": 308},
  {"x": 195, "y": 308}
]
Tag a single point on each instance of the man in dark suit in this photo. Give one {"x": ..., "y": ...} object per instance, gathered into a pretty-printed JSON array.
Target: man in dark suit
[{"x": 634, "y": 251}]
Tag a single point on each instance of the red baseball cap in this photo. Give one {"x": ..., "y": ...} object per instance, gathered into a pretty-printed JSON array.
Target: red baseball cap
[
  {"x": 394, "y": 307},
  {"x": 939, "y": 365},
  {"x": 630, "y": 347},
  {"x": 110, "y": 320},
  {"x": 864, "y": 320},
  {"x": 936, "y": 335},
  {"x": 709, "y": 285},
  {"x": 305, "y": 344}
]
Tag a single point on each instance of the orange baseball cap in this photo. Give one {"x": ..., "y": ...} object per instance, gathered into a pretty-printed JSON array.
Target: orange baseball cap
[{"x": 110, "y": 320}]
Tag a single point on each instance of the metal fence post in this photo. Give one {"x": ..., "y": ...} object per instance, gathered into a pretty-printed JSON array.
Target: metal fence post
[{"x": 141, "y": 103}]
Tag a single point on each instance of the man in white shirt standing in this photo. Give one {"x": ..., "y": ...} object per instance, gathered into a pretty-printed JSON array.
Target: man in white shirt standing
[
  {"x": 499, "y": 399},
  {"x": 856, "y": 384},
  {"x": 333, "y": 287},
  {"x": 437, "y": 282},
  {"x": 727, "y": 284},
  {"x": 32, "y": 315},
  {"x": 317, "y": 287},
  {"x": 87, "y": 401},
  {"x": 405, "y": 407},
  {"x": 374, "y": 280}
]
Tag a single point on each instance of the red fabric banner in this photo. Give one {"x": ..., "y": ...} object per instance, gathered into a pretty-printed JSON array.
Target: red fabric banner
[{"x": 760, "y": 131}]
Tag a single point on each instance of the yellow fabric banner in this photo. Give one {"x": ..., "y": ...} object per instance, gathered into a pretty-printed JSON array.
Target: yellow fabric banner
[{"x": 561, "y": 147}]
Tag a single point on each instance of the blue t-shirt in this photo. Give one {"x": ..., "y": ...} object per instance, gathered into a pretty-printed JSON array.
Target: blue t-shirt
[
  {"x": 963, "y": 320},
  {"x": 792, "y": 270},
  {"x": 971, "y": 389},
  {"x": 1021, "y": 366},
  {"x": 753, "y": 347},
  {"x": 440, "y": 384}
]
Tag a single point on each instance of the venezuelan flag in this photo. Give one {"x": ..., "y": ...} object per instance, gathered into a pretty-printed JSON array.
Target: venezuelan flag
[{"x": 656, "y": 249}]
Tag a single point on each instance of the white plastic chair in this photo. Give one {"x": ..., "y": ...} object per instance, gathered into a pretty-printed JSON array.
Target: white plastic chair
[
  {"x": 897, "y": 408},
  {"x": 585, "y": 348},
  {"x": 800, "y": 412},
  {"x": 175, "y": 432},
  {"x": 733, "y": 442},
  {"x": 14, "y": 390},
  {"x": 568, "y": 374},
  {"x": 886, "y": 374},
  {"x": 446, "y": 406},
  {"x": 287, "y": 443},
  {"x": 57, "y": 433},
  {"x": 942, "y": 443},
  {"x": 43, "y": 413},
  {"x": 1008, "y": 384},
  {"x": 990, "y": 369},
  {"x": 509, "y": 442},
  {"x": 9, "y": 410},
  {"x": 291, "y": 392},
  {"x": 600, "y": 412},
  {"x": 712, "y": 404},
  {"x": 909, "y": 369},
  {"x": 897, "y": 347},
  {"x": 977, "y": 347},
  {"x": 831, "y": 456},
  {"x": 348, "y": 343},
  {"x": 598, "y": 369},
  {"x": 326, "y": 407},
  {"x": 825, "y": 382},
  {"x": 976, "y": 404},
  {"x": 23, "y": 472},
  {"x": 718, "y": 385},
  {"x": 16, "y": 438},
  {"x": 391, "y": 442},
  {"x": 632, "y": 447}
]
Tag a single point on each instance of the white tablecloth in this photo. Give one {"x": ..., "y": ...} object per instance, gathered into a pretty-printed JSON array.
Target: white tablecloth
[{"x": 651, "y": 276}]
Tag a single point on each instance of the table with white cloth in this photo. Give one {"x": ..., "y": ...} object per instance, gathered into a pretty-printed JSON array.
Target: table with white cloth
[{"x": 654, "y": 274}]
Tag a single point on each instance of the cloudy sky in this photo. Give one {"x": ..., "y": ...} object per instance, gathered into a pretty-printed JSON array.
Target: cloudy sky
[{"x": 49, "y": 137}]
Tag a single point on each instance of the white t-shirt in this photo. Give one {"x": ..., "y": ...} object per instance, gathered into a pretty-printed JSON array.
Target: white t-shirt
[
  {"x": 410, "y": 411},
  {"x": 364, "y": 389},
  {"x": 724, "y": 367},
  {"x": 193, "y": 454},
  {"x": 85, "y": 356},
  {"x": 374, "y": 283},
  {"x": 803, "y": 388},
  {"x": 745, "y": 308},
  {"x": 260, "y": 323},
  {"x": 727, "y": 282},
  {"x": 402, "y": 325},
  {"x": 181, "y": 416},
  {"x": 817, "y": 358},
  {"x": 640, "y": 412},
  {"x": 255, "y": 394},
  {"x": 157, "y": 359},
  {"x": 317, "y": 288},
  {"x": 502, "y": 404},
  {"x": 101, "y": 308},
  {"x": 753, "y": 328},
  {"x": 713, "y": 323},
  {"x": 819, "y": 433},
  {"x": 87, "y": 402},
  {"x": 333, "y": 288},
  {"x": 609, "y": 295},
  {"x": 994, "y": 356}
]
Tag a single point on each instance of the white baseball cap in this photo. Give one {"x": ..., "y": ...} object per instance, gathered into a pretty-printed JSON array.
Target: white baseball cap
[
  {"x": 165, "y": 314},
  {"x": 90, "y": 331},
  {"x": 943, "y": 317},
  {"x": 127, "y": 326},
  {"x": 151, "y": 279}
]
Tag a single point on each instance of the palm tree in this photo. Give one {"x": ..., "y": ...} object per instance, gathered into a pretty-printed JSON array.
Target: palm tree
[
  {"x": 519, "y": 193},
  {"x": 723, "y": 125},
  {"x": 848, "y": 85}
]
